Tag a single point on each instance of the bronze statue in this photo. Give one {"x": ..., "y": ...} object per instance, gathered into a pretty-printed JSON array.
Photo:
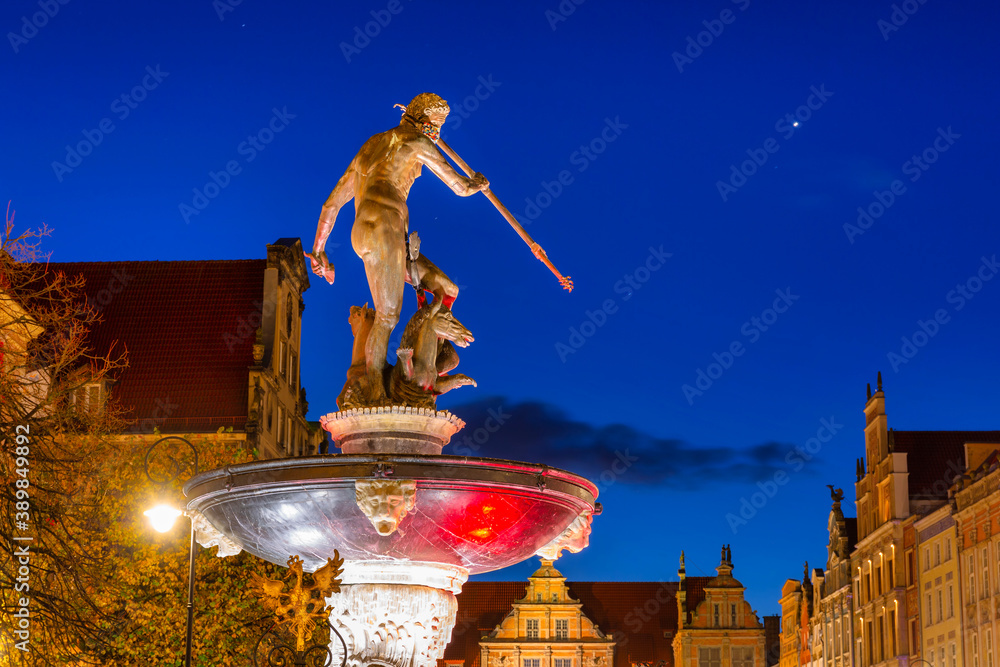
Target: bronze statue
[
  {"x": 425, "y": 357},
  {"x": 379, "y": 180}
]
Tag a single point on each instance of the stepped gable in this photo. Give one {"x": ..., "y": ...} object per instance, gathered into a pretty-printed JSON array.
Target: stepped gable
[
  {"x": 180, "y": 323},
  {"x": 930, "y": 454},
  {"x": 640, "y": 615}
]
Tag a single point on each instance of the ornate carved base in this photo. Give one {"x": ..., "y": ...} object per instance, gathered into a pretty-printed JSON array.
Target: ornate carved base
[
  {"x": 392, "y": 430},
  {"x": 394, "y": 625}
]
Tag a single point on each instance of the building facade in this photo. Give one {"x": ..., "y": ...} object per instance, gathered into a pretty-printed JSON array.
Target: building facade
[
  {"x": 722, "y": 630},
  {"x": 551, "y": 623},
  {"x": 213, "y": 346},
  {"x": 918, "y": 581}
]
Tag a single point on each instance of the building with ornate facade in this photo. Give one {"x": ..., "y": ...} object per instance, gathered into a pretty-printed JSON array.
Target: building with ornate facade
[
  {"x": 896, "y": 584},
  {"x": 695, "y": 622},
  {"x": 213, "y": 346}
]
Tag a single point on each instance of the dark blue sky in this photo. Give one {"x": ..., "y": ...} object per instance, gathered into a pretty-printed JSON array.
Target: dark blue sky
[{"x": 645, "y": 138}]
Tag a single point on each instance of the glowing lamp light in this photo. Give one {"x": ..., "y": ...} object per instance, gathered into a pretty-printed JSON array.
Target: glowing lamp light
[{"x": 162, "y": 517}]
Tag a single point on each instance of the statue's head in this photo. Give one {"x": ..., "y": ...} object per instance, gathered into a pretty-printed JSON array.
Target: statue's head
[
  {"x": 385, "y": 502},
  {"x": 428, "y": 108}
]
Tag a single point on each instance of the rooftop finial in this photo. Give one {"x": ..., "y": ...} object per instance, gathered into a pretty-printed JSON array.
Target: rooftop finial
[
  {"x": 880, "y": 380},
  {"x": 682, "y": 558}
]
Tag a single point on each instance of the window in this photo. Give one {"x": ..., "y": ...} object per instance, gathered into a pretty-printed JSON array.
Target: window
[
  {"x": 709, "y": 657},
  {"x": 269, "y": 410},
  {"x": 871, "y": 643},
  {"x": 890, "y": 570},
  {"x": 951, "y": 600},
  {"x": 972, "y": 577},
  {"x": 881, "y": 638},
  {"x": 538, "y": 597},
  {"x": 878, "y": 580},
  {"x": 282, "y": 359},
  {"x": 562, "y": 628},
  {"x": 954, "y": 655},
  {"x": 986, "y": 571},
  {"x": 563, "y": 662},
  {"x": 914, "y": 637},
  {"x": 293, "y": 372},
  {"x": 716, "y": 615},
  {"x": 989, "y": 649},
  {"x": 937, "y": 554},
  {"x": 892, "y": 632},
  {"x": 281, "y": 428},
  {"x": 288, "y": 315},
  {"x": 927, "y": 558},
  {"x": 930, "y": 657},
  {"x": 742, "y": 656},
  {"x": 531, "y": 662},
  {"x": 732, "y": 609},
  {"x": 555, "y": 597},
  {"x": 975, "y": 650},
  {"x": 88, "y": 398},
  {"x": 947, "y": 549},
  {"x": 531, "y": 629},
  {"x": 940, "y": 605},
  {"x": 930, "y": 615}
]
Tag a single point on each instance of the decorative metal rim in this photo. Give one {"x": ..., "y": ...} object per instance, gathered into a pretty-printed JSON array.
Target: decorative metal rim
[{"x": 447, "y": 471}]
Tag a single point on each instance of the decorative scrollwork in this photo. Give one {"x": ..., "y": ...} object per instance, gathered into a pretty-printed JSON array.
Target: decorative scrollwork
[
  {"x": 280, "y": 654},
  {"x": 176, "y": 466}
]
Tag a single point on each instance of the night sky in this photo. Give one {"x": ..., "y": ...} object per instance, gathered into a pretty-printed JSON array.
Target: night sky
[{"x": 698, "y": 170}]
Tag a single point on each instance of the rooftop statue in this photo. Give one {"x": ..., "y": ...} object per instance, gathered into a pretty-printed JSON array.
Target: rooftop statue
[{"x": 379, "y": 179}]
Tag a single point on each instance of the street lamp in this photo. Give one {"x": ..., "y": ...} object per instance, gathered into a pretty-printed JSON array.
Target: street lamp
[{"x": 163, "y": 516}]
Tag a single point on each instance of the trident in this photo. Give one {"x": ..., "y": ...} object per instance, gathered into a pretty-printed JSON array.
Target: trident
[{"x": 536, "y": 249}]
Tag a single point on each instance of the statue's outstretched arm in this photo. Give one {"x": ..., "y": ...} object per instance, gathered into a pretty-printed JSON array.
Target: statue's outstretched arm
[
  {"x": 459, "y": 184},
  {"x": 342, "y": 193}
]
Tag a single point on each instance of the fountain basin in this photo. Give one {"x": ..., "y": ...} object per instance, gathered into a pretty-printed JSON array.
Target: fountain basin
[{"x": 470, "y": 515}]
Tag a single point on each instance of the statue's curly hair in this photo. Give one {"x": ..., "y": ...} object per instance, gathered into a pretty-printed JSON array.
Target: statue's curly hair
[{"x": 420, "y": 105}]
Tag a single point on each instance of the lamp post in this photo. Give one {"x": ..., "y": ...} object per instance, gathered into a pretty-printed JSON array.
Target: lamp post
[{"x": 163, "y": 517}]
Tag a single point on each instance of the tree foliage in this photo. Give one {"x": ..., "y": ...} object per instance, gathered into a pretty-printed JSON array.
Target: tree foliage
[{"x": 102, "y": 588}]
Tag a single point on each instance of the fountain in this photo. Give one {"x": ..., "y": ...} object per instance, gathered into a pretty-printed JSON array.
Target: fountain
[{"x": 410, "y": 522}]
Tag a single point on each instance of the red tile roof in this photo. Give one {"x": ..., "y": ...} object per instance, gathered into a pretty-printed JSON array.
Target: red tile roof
[
  {"x": 935, "y": 457},
  {"x": 180, "y": 323},
  {"x": 630, "y": 611}
]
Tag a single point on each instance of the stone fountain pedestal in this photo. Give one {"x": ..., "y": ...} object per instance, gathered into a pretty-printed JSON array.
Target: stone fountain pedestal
[{"x": 410, "y": 523}]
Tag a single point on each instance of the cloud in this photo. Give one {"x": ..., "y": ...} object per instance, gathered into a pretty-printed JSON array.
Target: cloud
[{"x": 537, "y": 432}]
